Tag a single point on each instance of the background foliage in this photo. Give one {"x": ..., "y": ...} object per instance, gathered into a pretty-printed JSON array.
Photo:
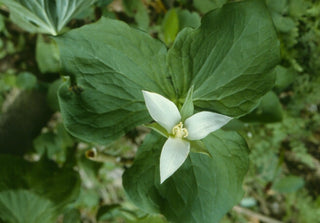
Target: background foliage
[{"x": 46, "y": 169}]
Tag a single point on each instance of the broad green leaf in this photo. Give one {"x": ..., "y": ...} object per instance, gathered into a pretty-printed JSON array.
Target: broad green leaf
[
  {"x": 227, "y": 59},
  {"x": 109, "y": 66},
  {"x": 202, "y": 190},
  {"x": 25, "y": 183},
  {"x": 205, "y": 6},
  {"x": 21, "y": 206},
  {"x": 269, "y": 110},
  {"x": 44, "y": 16}
]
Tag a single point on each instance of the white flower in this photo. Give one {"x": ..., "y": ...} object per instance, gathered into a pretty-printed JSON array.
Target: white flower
[{"x": 177, "y": 147}]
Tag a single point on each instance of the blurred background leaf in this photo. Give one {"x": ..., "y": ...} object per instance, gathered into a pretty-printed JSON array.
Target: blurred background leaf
[{"x": 41, "y": 186}]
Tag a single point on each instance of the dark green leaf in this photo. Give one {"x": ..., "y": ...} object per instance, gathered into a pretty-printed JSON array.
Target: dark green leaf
[
  {"x": 34, "y": 192},
  {"x": 202, "y": 190},
  {"x": 227, "y": 59},
  {"x": 44, "y": 178},
  {"x": 72, "y": 216},
  {"x": 105, "y": 212},
  {"x": 111, "y": 63},
  {"x": 21, "y": 206},
  {"x": 103, "y": 3}
]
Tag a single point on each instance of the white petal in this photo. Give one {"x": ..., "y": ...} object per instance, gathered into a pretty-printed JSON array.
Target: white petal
[
  {"x": 162, "y": 110},
  {"x": 201, "y": 124},
  {"x": 174, "y": 152}
]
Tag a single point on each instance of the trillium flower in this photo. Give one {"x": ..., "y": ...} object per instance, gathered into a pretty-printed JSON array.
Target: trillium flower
[{"x": 177, "y": 147}]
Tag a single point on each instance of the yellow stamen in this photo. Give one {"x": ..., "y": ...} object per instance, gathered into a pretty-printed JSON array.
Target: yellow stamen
[{"x": 179, "y": 131}]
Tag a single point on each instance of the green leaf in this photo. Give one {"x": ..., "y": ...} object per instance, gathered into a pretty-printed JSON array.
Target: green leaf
[
  {"x": 298, "y": 8},
  {"x": 199, "y": 147},
  {"x": 202, "y": 190},
  {"x": 60, "y": 186},
  {"x": 109, "y": 66},
  {"x": 268, "y": 111},
  {"x": 105, "y": 212},
  {"x": 170, "y": 26},
  {"x": 47, "y": 55},
  {"x": 137, "y": 10},
  {"x": 54, "y": 144},
  {"x": 46, "y": 143},
  {"x": 20, "y": 206},
  {"x": 205, "y": 6},
  {"x": 115, "y": 212},
  {"x": 187, "y": 107},
  {"x": 26, "y": 80},
  {"x": 285, "y": 77},
  {"x": 158, "y": 128},
  {"x": 44, "y": 16},
  {"x": 103, "y": 3},
  {"x": 282, "y": 23},
  {"x": 288, "y": 184},
  {"x": 52, "y": 95},
  {"x": 227, "y": 59},
  {"x": 188, "y": 19},
  {"x": 2, "y": 26},
  {"x": 279, "y": 6},
  {"x": 72, "y": 216}
]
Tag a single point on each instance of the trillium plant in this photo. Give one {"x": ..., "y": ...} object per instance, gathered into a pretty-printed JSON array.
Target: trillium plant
[
  {"x": 180, "y": 133},
  {"x": 207, "y": 69},
  {"x": 189, "y": 169}
]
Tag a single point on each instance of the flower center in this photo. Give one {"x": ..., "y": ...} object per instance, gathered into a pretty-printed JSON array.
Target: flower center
[{"x": 179, "y": 131}]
